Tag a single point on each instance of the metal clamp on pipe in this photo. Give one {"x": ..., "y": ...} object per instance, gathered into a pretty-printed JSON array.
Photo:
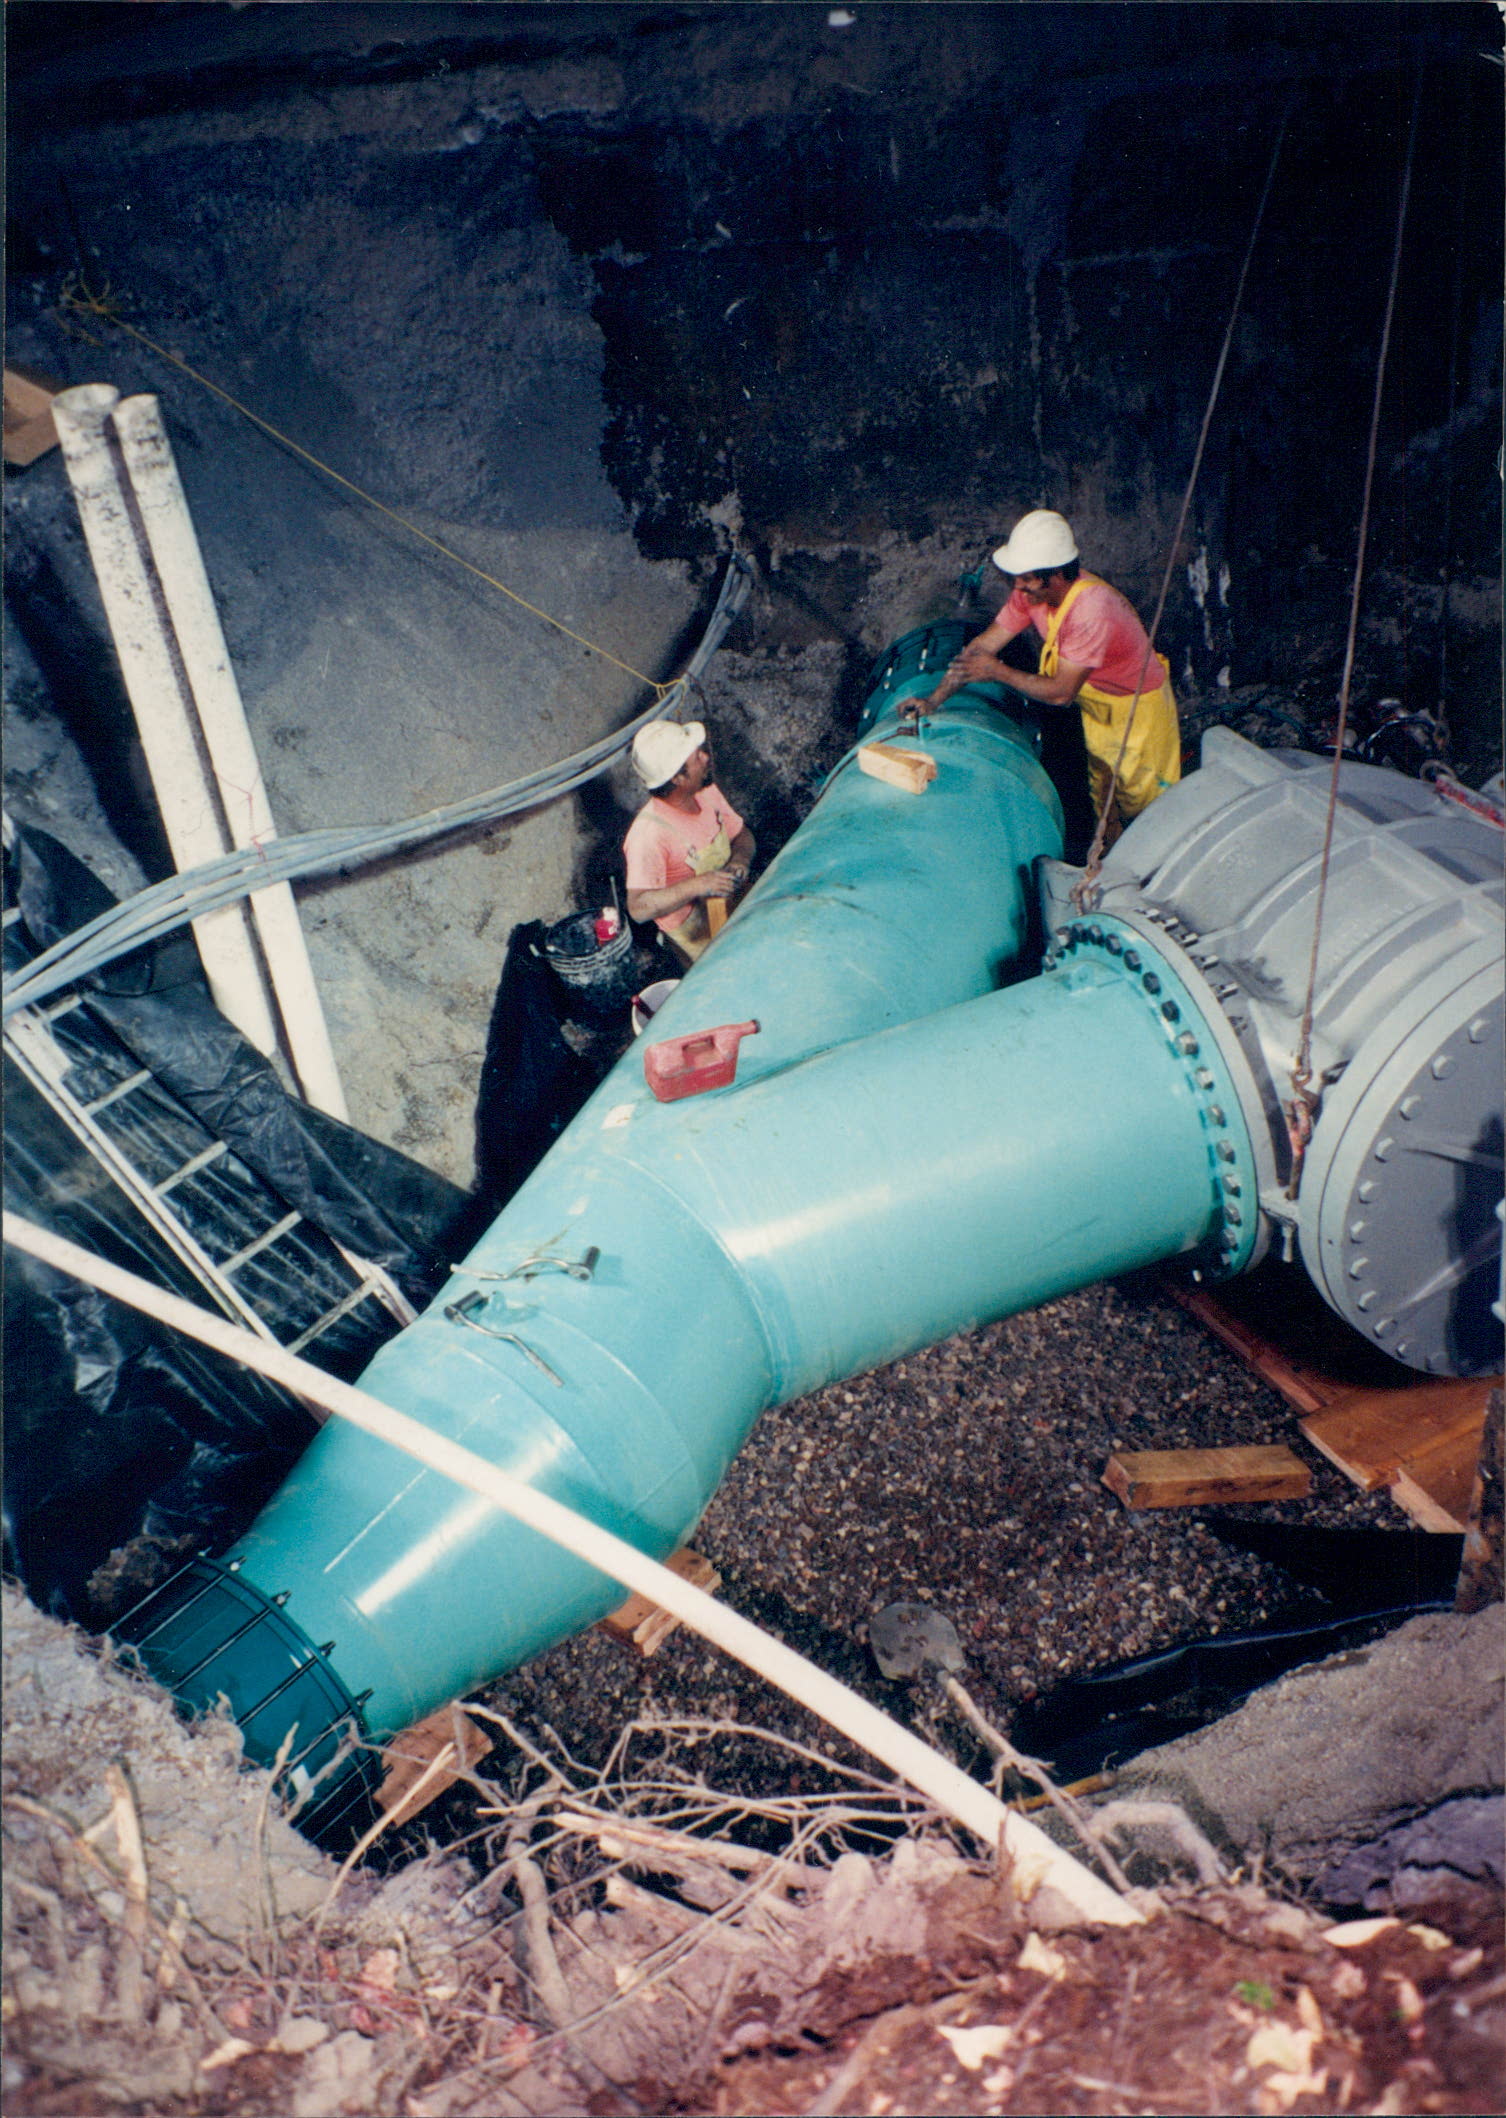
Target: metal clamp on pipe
[
  {"x": 464, "y": 1312},
  {"x": 581, "y": 1268}
]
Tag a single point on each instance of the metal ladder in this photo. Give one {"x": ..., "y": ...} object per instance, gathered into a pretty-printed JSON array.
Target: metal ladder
[{"x": 253, "y": 1256}]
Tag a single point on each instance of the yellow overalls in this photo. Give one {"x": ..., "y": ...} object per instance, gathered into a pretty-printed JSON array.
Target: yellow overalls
[
  {"x": 693, "y": 936},
  {"x": 1152, "y": 759}
]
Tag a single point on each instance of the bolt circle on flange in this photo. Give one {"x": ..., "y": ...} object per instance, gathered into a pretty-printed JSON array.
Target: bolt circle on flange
[
  {"x": 1400, "y": 1171},
  {"x": 1233, "y": 1176}
]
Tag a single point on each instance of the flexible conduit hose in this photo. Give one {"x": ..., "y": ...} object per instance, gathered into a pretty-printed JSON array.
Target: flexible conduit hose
[
  {"x": 168, "y": 905},
  {"x": 1035, "y": 1862}
]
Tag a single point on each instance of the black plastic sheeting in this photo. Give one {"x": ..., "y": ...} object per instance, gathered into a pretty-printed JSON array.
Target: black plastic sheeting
[
  {"x": 548, "y": 1046},
  {"x": 1372, "y": 1581},
  {"x": 127, "y": 1445},
  {"x": 369, "y": 1198}
]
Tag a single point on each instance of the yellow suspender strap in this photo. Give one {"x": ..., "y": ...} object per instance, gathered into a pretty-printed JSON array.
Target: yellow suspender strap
[{"x": 1049, "y": 655}]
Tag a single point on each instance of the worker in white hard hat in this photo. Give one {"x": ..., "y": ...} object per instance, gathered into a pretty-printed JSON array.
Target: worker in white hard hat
[
  {"x": 1095, "y": 654},
  {"x": 687, "y": 847}
]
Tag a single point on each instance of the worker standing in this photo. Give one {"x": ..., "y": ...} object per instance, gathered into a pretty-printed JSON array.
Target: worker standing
[
  {"x": 1095, "y": 654},
  {"x": 687, "y": 847}
]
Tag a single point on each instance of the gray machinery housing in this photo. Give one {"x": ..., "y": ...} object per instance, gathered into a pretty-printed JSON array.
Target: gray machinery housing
[{"x": 1397, "y": 1209}]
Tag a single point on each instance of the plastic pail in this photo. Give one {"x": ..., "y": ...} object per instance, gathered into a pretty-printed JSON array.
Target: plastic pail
[{"x": 648, "y": 1003}]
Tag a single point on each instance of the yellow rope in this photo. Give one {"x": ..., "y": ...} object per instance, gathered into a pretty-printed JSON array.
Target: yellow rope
[{"x": 77, "y": 298}]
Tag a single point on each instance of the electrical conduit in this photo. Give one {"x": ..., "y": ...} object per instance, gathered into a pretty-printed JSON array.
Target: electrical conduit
[{"x": 221, "y": 715}]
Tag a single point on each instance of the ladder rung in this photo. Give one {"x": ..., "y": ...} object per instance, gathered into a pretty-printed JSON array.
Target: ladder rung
[
  {"x": 331, "y": 1317},
  {"x": 262, "y": 1242},
  {"x": 12, "y": 914},
  {"x": 50, "y": 1010},
  {"x": 113, "y": 1095},
  {"x": 211, "y": 1153}
]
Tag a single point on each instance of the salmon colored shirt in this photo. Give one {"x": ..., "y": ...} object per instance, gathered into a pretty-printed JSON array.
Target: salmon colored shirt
[
  {"x": 1100, "y": 633},
  {"x": 660, "y": 838}
]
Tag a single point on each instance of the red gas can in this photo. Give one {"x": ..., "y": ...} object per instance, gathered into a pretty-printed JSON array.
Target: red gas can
[{"x": 686, "y": 1066}]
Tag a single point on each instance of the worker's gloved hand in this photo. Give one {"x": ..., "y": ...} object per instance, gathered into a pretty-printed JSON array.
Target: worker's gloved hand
[{"x": 722, "y": 882}]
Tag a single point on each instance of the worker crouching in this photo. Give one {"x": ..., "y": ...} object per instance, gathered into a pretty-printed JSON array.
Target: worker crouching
[
  {"x": 1095, "y": 654},
  {"x": 687, "y": 850}
]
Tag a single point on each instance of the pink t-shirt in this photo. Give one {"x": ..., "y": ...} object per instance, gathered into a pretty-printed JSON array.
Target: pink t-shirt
[
  {"x": 660, "y": 837},
  {"x": 1100, "y": 633}
]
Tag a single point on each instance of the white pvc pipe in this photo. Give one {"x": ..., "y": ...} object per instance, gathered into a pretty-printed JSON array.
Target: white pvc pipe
[
  {"x": 1034, "y": 1861},
  {"x": 216, "y": 695},
  {"x": 159, "y": 699}
]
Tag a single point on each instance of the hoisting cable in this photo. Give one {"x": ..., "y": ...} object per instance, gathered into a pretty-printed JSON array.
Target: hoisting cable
[
  {"x": 78, "y": 298},
  {"x": 1460, "y": 248},
  {"x": 1303, "y": 1106},
  {"x": 1083, "y": 887},
  {"x": 337, "y": 850}
]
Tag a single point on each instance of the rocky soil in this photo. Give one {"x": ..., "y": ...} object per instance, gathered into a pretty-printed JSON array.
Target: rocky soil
[
  {"x": 634, "y": 1941},
  {"x": 968, "y": 1477}
]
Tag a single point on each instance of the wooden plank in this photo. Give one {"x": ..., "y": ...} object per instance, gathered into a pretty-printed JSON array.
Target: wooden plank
[
  {"x": 1481, "y": 1578},
  {"x": 641, "y": 1622},
  {"x": 1301, "y": 1386},
  {"x": 29, "y": 428},
  {"x": 913, "y": 770},
  {"x": 1369, "y": 1433},
  {"x": 1435, "y": 1484},
  {"x": 1184, "y": 1478},
  {"x": 411, "y": 1754},
  {"x": 716, "y": 915}
]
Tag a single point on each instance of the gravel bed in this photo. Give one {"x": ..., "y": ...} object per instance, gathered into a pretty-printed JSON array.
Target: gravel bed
[{"x": 967, "y": 1477}]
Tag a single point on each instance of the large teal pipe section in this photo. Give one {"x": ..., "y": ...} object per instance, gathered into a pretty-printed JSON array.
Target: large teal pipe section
[
  {"x": 884, "y": 905},
  {"x": 907, "y": 1151},
  {"x": 751, "y": 1245}
]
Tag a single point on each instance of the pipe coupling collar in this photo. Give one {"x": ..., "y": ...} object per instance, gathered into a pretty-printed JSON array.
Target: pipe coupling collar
[{"x": 1235, "y": 1225}]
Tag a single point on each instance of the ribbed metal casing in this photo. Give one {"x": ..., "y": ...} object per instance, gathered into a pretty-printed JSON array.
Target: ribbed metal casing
[{"x": 1396, "y": 1208}]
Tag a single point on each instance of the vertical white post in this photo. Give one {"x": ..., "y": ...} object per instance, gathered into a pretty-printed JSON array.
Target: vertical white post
[
  {"x": 160, "y": 699},
  {"x": 222, "y": 718}
]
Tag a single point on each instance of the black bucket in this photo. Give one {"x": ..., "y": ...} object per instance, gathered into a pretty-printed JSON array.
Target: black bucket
[{"x": 602, "y": 975}]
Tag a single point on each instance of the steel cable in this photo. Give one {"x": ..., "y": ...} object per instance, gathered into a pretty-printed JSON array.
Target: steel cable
[
  {"x": 335, "y": 850},
  {"x": 1083, "y": 887},
  {"x": 1303, "y": 1106}
]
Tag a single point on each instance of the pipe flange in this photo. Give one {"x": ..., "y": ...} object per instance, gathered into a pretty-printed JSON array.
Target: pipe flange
[
  {"x": 1404, "y": 1164},
  {"x": 1233, "y": 1170}
]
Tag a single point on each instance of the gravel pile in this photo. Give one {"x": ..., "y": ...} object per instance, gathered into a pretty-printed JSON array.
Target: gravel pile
[{"x": 966, "y": 1477}]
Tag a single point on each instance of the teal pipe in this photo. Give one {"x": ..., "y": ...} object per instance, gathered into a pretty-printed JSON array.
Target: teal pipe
[
  {"x": 883, "y": 905},
  {"x": 907, "y": 1152}
]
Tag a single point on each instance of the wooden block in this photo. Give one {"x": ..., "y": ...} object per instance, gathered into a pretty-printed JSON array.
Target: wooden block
[
  {"x": 1301, "y": 1386},
  {"x": 716, "y": 915},
  {"x": 1435, "y": 1484},
  {"x": 1481, "y": 1579},
  {"x": 642, "y": 1622},
  {"x": 411, "y": 1754},
  {"x": 29, "y": 429},
  {"x": 1370, "y": 1433},
  {"x": 913, "y": 770},
  {"x": 1186, "y": 1478}
]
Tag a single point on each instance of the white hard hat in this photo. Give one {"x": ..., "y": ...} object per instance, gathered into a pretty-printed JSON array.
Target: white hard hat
[
  {"x": 660, "y": 749},
  {"x": 1037, "y": 543}
]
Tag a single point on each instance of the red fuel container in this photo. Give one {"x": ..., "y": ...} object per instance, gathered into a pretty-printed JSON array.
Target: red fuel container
[{"x": 687, "y": 1066}]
